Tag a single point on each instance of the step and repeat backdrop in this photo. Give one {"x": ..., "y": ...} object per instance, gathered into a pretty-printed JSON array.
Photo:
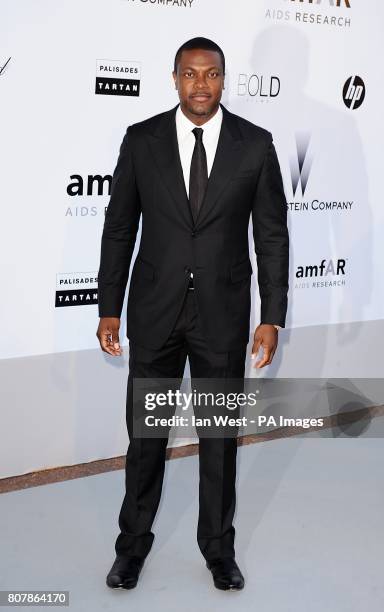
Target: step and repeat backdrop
[{"x": 75, "y": 74}]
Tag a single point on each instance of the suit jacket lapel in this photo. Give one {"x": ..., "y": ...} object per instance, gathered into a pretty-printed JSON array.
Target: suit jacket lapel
[
  {"x": 164, "y": 146},
  {"x": 229, "y": 153},
  {"x": 165, "y": 150}
]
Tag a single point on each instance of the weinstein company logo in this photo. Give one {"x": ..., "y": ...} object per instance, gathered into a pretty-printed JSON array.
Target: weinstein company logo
[
  {"x": 258, "y": 87},
  {"x": 117, "y": 78},
  {"x": 315, "y": 12},
  {"x": 76, "y": 289},
  {"x": 301, "y": 168}
]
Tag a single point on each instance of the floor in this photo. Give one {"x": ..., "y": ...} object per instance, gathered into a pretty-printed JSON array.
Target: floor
[{"x": 309, "y": 534}]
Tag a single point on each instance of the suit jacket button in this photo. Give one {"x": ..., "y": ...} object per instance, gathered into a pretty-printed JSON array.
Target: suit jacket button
[{"x": 193, "y": 234}]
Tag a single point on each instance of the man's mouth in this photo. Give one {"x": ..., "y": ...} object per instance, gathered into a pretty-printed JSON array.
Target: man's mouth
[{"x": 200, "y": 97}]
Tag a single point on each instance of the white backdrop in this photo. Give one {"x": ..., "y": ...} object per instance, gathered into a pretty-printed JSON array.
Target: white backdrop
[{"x": 287, "y": 64}]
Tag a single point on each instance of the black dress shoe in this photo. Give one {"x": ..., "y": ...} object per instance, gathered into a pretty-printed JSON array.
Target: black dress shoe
[
  {"x": 125, "y": 572},
  {"x": 226, "y": 574}
]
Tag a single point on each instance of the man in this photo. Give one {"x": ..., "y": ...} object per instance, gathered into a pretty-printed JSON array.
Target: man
[{"x": 195, "y": 174}]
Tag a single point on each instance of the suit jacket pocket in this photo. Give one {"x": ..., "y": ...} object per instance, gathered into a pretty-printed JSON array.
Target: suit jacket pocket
[{"x": 241, "y": 270}]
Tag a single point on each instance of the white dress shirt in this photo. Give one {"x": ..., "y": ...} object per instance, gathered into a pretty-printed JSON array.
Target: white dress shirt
[{"x": 186, "y": 140}]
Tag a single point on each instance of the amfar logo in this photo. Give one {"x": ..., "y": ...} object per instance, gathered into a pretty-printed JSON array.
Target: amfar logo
[
  {"x": 258, "y": 87},
  {"x": 117, "y": 78},
  {"x": 354, "y": 92},
  {"x": 3, "y": 67},
  {"x": 303, "y": 15},
  {"x": 330, "y": 271},
  {"x": 76, "y": 289},
  {"x": 301, "y": 164},
  {"x": 326, "y": 268},
  {"x": 91, "y": 185}
]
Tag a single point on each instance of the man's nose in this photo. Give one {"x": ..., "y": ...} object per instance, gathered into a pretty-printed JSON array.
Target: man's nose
[{"x": 201, "y": 81}]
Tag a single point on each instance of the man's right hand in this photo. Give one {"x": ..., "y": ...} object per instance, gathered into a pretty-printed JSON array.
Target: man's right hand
[{"x": 108, "y": 335}]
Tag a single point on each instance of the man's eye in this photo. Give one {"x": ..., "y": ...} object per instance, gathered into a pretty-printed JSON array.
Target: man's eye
[
  {"x": 213, "y": 75},
  {"x": 188, "y": 74}
]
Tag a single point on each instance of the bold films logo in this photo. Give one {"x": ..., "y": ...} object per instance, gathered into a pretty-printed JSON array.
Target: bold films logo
[
  {"x": 354, "y": 92},
  {"x": 300, "y": 169},
  {"x": 328, "y": 273},
  {"x": 87, "y": 189},
  {"x": 117, "y": 78},
  {"x": 258, "y": 87},
  {"x": 334, "y": 13},
  {"x": 76, "y": 289}
]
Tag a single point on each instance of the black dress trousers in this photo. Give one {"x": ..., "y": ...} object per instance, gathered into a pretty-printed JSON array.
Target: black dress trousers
[{"x": 145, "y": 460}]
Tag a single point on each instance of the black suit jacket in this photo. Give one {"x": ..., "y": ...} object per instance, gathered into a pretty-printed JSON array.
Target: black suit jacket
[{"x": 148, "y": 182}]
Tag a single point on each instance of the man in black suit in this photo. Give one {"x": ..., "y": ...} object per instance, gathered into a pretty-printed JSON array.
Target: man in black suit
[{"x": 195, "y": 175}]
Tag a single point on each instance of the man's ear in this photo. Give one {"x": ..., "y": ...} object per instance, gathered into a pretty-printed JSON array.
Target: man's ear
[{"x": 174, "y": 78}]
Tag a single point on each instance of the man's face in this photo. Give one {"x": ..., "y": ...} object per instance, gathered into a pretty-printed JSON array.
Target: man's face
[{"x": 199, "y": 81}]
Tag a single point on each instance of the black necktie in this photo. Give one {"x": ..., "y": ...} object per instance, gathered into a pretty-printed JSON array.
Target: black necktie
[{"x": 198, "y": 177}]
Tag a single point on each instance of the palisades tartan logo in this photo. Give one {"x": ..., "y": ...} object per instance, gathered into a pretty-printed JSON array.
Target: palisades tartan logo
[{"x": 117, "y": 78}]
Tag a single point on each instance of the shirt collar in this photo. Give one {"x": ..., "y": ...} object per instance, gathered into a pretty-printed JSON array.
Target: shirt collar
[{"x": 184, "y": 125}]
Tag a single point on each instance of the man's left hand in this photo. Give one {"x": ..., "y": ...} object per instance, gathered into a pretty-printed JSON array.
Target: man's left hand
[{"x": 266, "y": 336}]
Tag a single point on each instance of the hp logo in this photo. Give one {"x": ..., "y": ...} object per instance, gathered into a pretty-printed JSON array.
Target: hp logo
[{"x": 354, "y": 92}]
